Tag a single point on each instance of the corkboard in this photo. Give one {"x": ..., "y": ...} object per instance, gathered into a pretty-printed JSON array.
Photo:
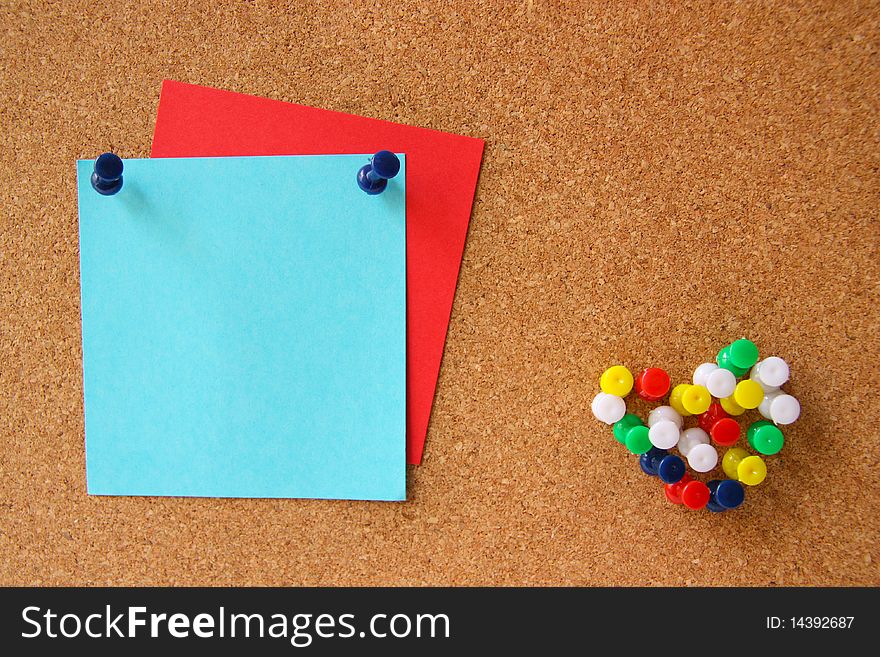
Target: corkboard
[{"x": 657, "y": 181}]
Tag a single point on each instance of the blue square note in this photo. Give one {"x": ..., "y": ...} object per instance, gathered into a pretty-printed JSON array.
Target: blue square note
[{"x": 244, "y": 329}]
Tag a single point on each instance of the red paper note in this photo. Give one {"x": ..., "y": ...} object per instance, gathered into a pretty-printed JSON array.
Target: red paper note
[{"x": 441, "y": 176}]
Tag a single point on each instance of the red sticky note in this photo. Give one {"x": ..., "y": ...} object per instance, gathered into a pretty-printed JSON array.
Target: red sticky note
[{"x": 441, "y": 177}]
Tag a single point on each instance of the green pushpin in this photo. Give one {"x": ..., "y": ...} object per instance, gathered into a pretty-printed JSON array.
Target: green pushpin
[
  {"x": 624, "y": 424},
  {"x": 765, "y": 437},
  {"x": 743, "y": 353},
  {"x": 637, "y": 440},
  {"x": 725, "y": 361},
  {"x": 754, "y": 426}
]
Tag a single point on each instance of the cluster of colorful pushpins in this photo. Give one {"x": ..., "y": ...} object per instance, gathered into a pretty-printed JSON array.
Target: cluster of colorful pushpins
[{"x": 721, "y": 391}]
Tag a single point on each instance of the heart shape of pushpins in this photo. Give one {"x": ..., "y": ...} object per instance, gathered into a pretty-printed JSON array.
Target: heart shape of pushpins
[{"x": 737, "y": 383}]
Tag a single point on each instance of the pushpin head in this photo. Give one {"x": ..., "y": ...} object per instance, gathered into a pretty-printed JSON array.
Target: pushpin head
[
  {"x": 725, "y": 432},
  {"x": 743, "y": 353},
  {"x": 713, "y": 504},
  {"x": 751, "y": 470},
  {"x": 608, "y": 408},
  {"x": 671, "y": 469},
  {"x": 695, "y": 495},
  {"x": 765, "y": 437},
  {"x": 637, "y": 440},
  {"x": 696, "y": 400},
  {"x": 646, "y": 466},
  {"x": 623, "y": 425},
  {"x": 732, "y": 458},
  {"x": 373, "y": 177},
  {"x": 673, "y": 491},
  {"x": 107, "y": 176},
  {"x": 725, "y": 495},
  {"x": 724, "y": 360},
  {"x": 652, "y": 384},
  {"x": 665, "y": 413},
  {"x": 702, "y": 458},
  {"x": 713, "y": 414},
  {"x": 651, "y": 460},
  {"x": 664, "y": 434},
  {"x": 729, "y": 494},
  {"x": 616, "y": 380}
]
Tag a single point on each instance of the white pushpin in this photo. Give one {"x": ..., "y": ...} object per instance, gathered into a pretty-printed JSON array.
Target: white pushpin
[
  {"x": 770, "y": 373},
  {"x": 764, "y": 407},
  {"x": 767, "y": 389},
  {"x": 702, "y": 458},
  {"x": 785, "y": 409},
  {"x": 701, "y": 374},
  {"x": 664, "y": 434},
  {"x": 662, "y": 413},
  {"x": 721, "y": 383},
  {"x": 690, "y": 439},
  {"x": 608, "y": 408}
]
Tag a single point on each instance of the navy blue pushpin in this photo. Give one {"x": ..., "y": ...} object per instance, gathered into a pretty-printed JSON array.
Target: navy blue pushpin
[
  {"x": 656, "y": 455},
  {"x": 107, "y": 177},
  {"x": 373, "y": 177},
  {"x": 713, "y": 504},
  {"x": 729, "y": 494},
  {"x": 650, "y": 460},
  {"x": 646, "y": 466},
  {"x": 671, "y": 469}
]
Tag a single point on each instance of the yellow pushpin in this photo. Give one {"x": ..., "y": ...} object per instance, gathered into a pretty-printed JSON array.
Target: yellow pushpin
[
  {"x": 675, "y": 399},
  {"x": 751, "y": 470},
  {"x": 731, "y": 407},
  {"x": 732, "y": 458},
  {"x": 748, "y": 394},
  {"x": 696, "y": 399},
  {"x": 617, "y": 381}
]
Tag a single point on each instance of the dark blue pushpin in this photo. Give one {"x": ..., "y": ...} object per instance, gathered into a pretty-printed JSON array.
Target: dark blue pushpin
[
  {"x": 671, "y": 469},
  {"x": 656, "y": 455},
  {"x": 107, "y": 177},
  {"x": 713, "y": 504},
  {"x": 373, "y": 177},
  {"x": 729, "y": 494},
  {"x": 650, "y": 460}
]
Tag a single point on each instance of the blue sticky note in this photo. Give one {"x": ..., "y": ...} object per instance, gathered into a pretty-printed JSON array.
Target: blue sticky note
[{"x": 243, "y": 325}]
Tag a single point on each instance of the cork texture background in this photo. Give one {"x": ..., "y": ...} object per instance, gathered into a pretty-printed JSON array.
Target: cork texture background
[{"x": 659, "y": 179}]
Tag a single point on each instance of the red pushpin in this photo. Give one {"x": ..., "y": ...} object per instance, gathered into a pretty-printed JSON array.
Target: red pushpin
[
  {"x": 652, "y": 384},
  {"x": 725, "y": 432},
  {"x": 711, "y": 416},
  {"x": 695, "y": 495},
  {"x": 673, "y": 491}
]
